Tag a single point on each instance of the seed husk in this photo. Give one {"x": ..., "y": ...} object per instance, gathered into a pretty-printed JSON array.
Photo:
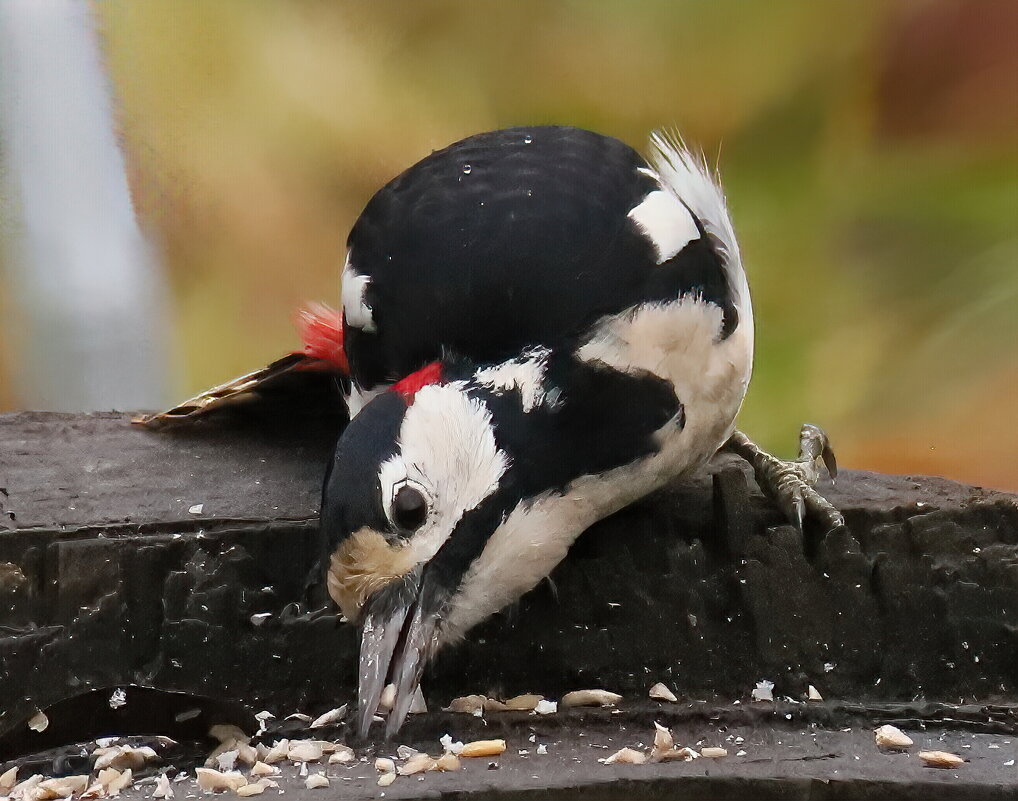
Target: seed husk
[{"x": 483, "y": 748}]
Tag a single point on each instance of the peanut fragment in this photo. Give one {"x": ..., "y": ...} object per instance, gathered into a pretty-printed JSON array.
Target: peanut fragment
[
  {"x": 941, "y": 759},
  {"x": 386, "y": 779},
  {"x": 659, "y": 692},
  {"x": 713, "y": 753},
  {"x": 483, "y": 748},
  {"x": 316, "y": 780},
  {"x": 590, "y": 698},
  {"x": 892, "y": 738},
  {"x": 628, "y": 756}
]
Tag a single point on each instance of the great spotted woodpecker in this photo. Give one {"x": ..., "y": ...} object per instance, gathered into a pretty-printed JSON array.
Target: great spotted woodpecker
[{"x": 539, "y": 327}]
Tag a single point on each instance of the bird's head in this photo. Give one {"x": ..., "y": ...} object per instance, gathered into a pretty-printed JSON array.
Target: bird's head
[
  {"x": 462, "y": 487},
  {"x": 411, "y": 497}
]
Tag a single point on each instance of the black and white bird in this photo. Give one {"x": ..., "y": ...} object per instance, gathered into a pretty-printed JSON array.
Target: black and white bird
[
  {"x": 539, "y": 327},
  {"x": 594, "y": 333}
]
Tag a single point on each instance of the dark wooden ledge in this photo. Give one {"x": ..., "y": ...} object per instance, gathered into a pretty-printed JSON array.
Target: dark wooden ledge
[{"x": 179, "y": 560}]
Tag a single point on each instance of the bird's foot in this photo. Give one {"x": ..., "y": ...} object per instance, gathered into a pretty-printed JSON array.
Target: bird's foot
[{"x": 790, "y": 483}]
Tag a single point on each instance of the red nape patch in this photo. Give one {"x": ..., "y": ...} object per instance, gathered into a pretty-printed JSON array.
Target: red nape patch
[
  {"x": 321, "y": 329},
  {"x": 409, "y": 386}
]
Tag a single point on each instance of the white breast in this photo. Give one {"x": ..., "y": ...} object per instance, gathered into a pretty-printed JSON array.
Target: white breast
[{"x": 678, "y": 341}]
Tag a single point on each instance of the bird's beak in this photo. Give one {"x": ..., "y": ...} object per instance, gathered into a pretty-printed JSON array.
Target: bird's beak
[{"x": 399, "y": 636}]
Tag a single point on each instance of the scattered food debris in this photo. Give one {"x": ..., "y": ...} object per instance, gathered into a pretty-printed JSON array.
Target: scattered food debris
[
  {"x": 298, "y": 716},
  {"x": 713, "y": 753},
  {"x": 8, "y": 779},
  {"x": 332, "y": 716},
  {"x": 764, "y": 691},
  {"x": 316, "y": 780},
  {"x": 523, "y": 703},
  {"x": 941, "y": 759},
  {"x": 542, "y": 749},
  {"x": 123, "y": 756},
  {"x": 262, "y": 769},
  {"x": 114, "y": 780},
  {"x": 661, "y": 693},
  {"x": 196, "y": 509},
  {"x": 251, "y": 789},
  {"x": 483, "y": 748},
  {"x": 468, "y": 704},
  {"x": 418, "y": 763},
  {"x": 38, "y": 721},
  {"x": 664, "y": 749},
  {"x": 545, "y": 707},
  {"x": 405, "y": 752},
  {"x": 118, "y": 699},
  {"x": 385, "y": 765},
  {"x": 627, "y": 756},
  {"x": 341, "y": 755},
  {"x": 813, "y": 694},
  {"x": 590, "y": 698},
  {"x": 386, "y": 779},
  {"x": 387, "y": 698},
  {"x": 892, "y": 738},
  {"x": 163, "y": 788},
  {"x": 215, "y": 781},
  {"x": 418, "y": 706},
  {"x": 304, "y": 751},
  {"x": 449, "y": 745}
]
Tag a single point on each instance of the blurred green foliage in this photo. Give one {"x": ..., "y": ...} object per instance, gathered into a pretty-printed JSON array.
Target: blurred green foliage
[{"x": 868, "y": 150}]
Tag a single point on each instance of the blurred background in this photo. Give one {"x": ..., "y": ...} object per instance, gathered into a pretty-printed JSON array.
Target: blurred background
[{"x": 869, "y": 151}]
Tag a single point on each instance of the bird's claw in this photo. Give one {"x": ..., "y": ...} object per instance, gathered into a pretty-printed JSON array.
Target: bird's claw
[{"x": 790, "y": 483}]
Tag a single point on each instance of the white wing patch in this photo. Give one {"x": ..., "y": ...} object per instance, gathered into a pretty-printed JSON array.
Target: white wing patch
[
  {"x": 447, "y": 448},
  {"x": 663, "y": 219},
  {"x": 355, "y": 309},
  {"x": 524, "y": 373}
]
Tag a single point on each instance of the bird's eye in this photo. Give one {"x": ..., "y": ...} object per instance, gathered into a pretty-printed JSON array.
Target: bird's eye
[{"x": 409, "y": 508}]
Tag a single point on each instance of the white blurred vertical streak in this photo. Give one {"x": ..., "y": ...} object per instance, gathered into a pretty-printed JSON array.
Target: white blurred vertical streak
[{"x": 87, "y": 289}]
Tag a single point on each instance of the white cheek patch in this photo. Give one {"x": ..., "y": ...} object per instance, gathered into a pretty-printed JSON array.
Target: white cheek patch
[
  {"x": 447, "y": 447},
  {"x": 355, "y": 308},
  {"x": 667, "y": 223},
  {"x": 525, "y": 374}
]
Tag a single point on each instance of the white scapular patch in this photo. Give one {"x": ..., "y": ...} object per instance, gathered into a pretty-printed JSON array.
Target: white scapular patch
[
  {"x": 447, "y": 450},
  {"x": 524, "y": 373},
  {"x": 355, "y": 309},
  {"x": 663, "y": 219},
  {"x": 679, "y": 341}
]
